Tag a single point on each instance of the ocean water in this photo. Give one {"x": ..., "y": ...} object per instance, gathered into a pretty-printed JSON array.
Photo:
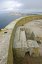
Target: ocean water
[{"x": 6, "y": 18}]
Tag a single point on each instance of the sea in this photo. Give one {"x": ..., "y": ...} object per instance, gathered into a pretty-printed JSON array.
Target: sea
[{"x": 6, "y": 18}]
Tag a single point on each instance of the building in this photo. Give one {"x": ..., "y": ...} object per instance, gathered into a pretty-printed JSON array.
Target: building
[{"x": 33, "y": 47}]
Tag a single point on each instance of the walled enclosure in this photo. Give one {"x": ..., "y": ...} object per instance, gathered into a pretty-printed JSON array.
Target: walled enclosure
[{"x": 19, "y": 22}]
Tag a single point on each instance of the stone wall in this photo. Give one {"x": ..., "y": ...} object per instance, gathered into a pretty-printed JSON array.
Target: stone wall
[{"x": 18, "y": 23}]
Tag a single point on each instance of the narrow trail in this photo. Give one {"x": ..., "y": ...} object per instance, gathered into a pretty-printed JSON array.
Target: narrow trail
[{"x": 27, "y": 60}]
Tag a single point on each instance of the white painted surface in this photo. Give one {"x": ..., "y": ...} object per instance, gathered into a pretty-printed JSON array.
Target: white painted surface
[{"x": 20, "y": 39}]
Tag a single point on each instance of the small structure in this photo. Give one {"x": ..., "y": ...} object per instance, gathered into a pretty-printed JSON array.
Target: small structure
[
  {"x": 37, "y": 34},
  {"x": 20, "y": 43},
  {"x": 33, "y": 47}
]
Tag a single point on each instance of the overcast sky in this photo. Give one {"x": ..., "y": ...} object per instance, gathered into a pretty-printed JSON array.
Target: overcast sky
[{"x": 21, "y": 5}]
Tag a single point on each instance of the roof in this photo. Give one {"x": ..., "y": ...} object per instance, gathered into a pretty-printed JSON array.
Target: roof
[{"x": 32, "y": 43}]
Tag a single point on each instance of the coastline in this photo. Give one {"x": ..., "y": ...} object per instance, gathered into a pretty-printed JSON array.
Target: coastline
[{"x": 5, "y": 35}]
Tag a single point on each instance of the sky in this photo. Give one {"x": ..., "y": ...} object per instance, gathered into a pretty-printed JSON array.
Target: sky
[{"x": 24, "y": 6}]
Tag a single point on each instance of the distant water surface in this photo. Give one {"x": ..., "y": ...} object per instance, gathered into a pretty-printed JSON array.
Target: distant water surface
[{"x": 6, "y": 18}]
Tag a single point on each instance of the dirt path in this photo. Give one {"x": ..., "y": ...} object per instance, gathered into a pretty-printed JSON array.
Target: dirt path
[
  {"x": 32, "y": 60},
  {"x": 26, "y": 60},
  {"x": 4, "y": 45}
]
